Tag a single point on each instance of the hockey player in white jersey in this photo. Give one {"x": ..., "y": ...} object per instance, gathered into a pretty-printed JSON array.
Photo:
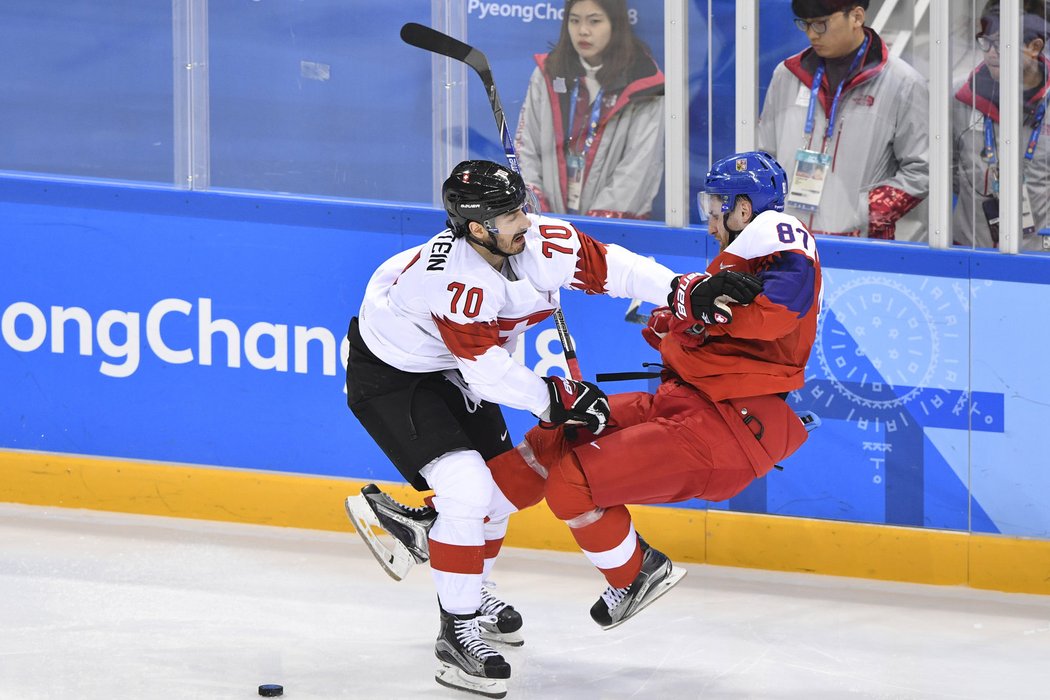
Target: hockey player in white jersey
[{"x": 430, "y": 363}]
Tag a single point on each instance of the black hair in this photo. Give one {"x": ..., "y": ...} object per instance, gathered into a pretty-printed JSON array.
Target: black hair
[
  {"x": 1034, "y": 23},
  {"x": 804, "y": 9},
  {"x": 624, "y": 46}
]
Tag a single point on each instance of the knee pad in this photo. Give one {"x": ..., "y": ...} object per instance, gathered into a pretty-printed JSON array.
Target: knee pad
[
  {"x": 496, "y": 529},
  {"x": 543, "y": 449},
  {"x": 519, "y": 484},
  {"x": 462, "y": 483},
  {"x": 567, "y": 492},
  {"x": 500, "y": 507}
]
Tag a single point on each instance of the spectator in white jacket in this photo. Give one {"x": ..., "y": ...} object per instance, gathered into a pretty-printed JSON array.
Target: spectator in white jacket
[
  {"x": 591, "y": 134},
  {"x": 849, "y": 123},
  {"x": 975, "y": 121}
]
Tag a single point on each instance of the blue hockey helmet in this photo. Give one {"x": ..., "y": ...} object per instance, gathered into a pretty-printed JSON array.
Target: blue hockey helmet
[{"x": 753, "y": 173}]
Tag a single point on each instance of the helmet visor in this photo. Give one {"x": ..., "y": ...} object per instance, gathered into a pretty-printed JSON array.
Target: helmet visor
[
  {"x": 532, "y": 202},
  {"x": 711, "y": 205},
  {"x": 531, "y": 205}
]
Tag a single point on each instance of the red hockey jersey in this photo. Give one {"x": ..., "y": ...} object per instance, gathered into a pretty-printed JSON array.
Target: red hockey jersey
[{"x": 765, "y": 348}]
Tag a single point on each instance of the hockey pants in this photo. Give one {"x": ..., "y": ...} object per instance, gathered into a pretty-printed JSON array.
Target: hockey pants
[{"x": 662, "y": 448}]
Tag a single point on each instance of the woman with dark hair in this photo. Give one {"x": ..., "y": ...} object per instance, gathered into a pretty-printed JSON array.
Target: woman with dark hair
[{"x": 590, "y": 138}]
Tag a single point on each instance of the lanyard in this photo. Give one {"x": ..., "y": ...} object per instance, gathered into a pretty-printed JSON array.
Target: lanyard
[
  {"x": 990, "y": 149},
  {"x": 814, "y": 93},
  {"x": 596, "y": 112}
]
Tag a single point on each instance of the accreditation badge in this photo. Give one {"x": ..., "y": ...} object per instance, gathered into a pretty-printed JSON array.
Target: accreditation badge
[
  {"x": 574, "y": 166},
  {"x": 1027, "y": 218},
  {"x": 990, "y": 207},
  {"x": 807, "y": 183}
]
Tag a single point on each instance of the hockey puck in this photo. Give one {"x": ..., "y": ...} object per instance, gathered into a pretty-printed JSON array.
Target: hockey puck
[{"x": 271, "y": 690}]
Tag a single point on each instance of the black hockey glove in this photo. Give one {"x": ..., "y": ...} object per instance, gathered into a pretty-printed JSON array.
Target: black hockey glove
[
  {"x": 706, "y": 298},
  {"x": 576, "y": 402}
]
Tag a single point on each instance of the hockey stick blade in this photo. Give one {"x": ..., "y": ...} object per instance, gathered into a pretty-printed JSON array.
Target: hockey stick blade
[
  {"x": 396, "y": 562},
  {"x": 632, "y": 315},
  {"x": 423, "y": 37}
]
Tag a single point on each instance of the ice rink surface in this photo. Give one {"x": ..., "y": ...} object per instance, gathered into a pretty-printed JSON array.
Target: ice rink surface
[{"x": 98, "y": 606}]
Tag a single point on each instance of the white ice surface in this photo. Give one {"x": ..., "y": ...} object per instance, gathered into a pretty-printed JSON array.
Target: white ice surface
[{"x": 101, "y": 606}]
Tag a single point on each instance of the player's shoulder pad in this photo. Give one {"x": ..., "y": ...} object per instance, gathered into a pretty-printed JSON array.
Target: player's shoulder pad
[
  {"x": 439, "y": 253},
  {"x": 551, "y": 248},
  {"x": 772, "y": 232},
  {"x": 450, "y": 264},
  {"x": 542, "y": 222}
]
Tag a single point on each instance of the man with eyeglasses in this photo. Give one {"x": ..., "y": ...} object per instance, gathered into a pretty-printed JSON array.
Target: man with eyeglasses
[
  {"x": 849, "y": 123},
  {"x": 975, "y": 123}
]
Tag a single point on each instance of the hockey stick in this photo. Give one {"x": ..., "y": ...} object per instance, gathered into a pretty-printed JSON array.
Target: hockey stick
[
  {"x": 633, "y": 315},
  {"x": 567, "y": 346},
  {"x": 431, "y": 40}
]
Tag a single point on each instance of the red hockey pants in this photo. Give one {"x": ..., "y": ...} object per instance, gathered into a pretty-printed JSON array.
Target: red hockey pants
[{"x": 662, "y": 448}]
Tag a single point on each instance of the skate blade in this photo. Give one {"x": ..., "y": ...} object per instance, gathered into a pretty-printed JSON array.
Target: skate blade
[
  {"x": 396, "y": 560},
  {"x": 453, "y": 677},
  {"x": 676, "y": 575},
  {"x": 510, "y": 639}
]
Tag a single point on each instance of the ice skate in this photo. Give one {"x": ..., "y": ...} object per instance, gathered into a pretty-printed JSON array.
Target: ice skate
[
  {"x": 407, "y": 526},
  {"x": 506, "y": 625},
  {"x": 467, "y": 662},
  {"x": 617, "y": 605}
]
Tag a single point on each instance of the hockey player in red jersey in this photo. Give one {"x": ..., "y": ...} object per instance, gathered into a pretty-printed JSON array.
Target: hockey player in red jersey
[
  {"x": 430, "y": 362},
  {"x": 734, "y": 341}
]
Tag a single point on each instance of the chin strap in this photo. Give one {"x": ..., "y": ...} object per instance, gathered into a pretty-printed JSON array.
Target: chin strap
[{"x": 489, "y": 245}]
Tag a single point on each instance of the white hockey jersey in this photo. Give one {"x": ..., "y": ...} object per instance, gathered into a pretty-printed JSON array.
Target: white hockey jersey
[{"x": 441, "y": 306}]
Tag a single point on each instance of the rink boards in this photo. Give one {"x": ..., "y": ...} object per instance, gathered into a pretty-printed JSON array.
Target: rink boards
[{"x": 182, "y": 353}]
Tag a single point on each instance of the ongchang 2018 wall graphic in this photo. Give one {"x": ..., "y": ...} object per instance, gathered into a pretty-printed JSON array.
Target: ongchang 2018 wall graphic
[{"x": 890, "y": 361}]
